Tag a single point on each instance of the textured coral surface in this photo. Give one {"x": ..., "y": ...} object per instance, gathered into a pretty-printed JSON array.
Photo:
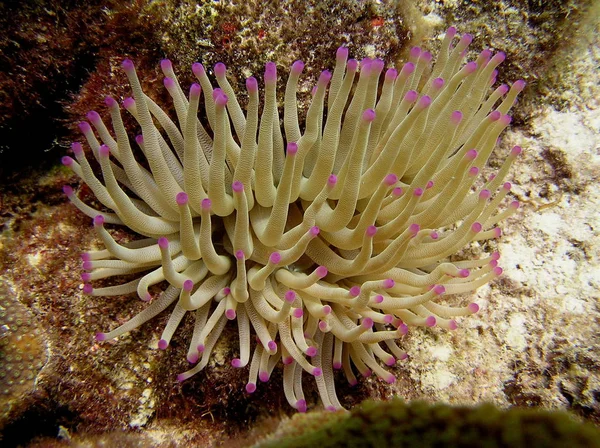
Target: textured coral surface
[{"x": 22, "y": 354}]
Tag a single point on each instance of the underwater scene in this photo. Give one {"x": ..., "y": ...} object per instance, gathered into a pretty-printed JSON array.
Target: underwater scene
[{"x": 300, "y": 223}]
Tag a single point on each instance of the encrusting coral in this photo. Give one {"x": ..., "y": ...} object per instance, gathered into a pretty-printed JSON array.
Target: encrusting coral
[{"x": 329, "y": 241}]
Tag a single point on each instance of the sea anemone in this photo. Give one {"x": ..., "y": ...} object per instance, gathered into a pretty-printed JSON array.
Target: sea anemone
[{"x": 326, "y": 242}]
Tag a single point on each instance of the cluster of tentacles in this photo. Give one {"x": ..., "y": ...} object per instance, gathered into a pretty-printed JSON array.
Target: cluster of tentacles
[{"x": 326, "y": 241}]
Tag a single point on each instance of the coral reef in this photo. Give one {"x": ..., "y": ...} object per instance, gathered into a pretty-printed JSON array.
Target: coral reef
[{"x": 532, "y": 344}]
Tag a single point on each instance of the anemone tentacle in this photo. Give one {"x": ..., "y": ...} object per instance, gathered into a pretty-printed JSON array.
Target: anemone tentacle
[{"x": 327, "y": 240}]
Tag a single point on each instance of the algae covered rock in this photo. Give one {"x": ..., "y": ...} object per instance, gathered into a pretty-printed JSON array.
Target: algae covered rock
[{"x": 418, "y": 424}]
